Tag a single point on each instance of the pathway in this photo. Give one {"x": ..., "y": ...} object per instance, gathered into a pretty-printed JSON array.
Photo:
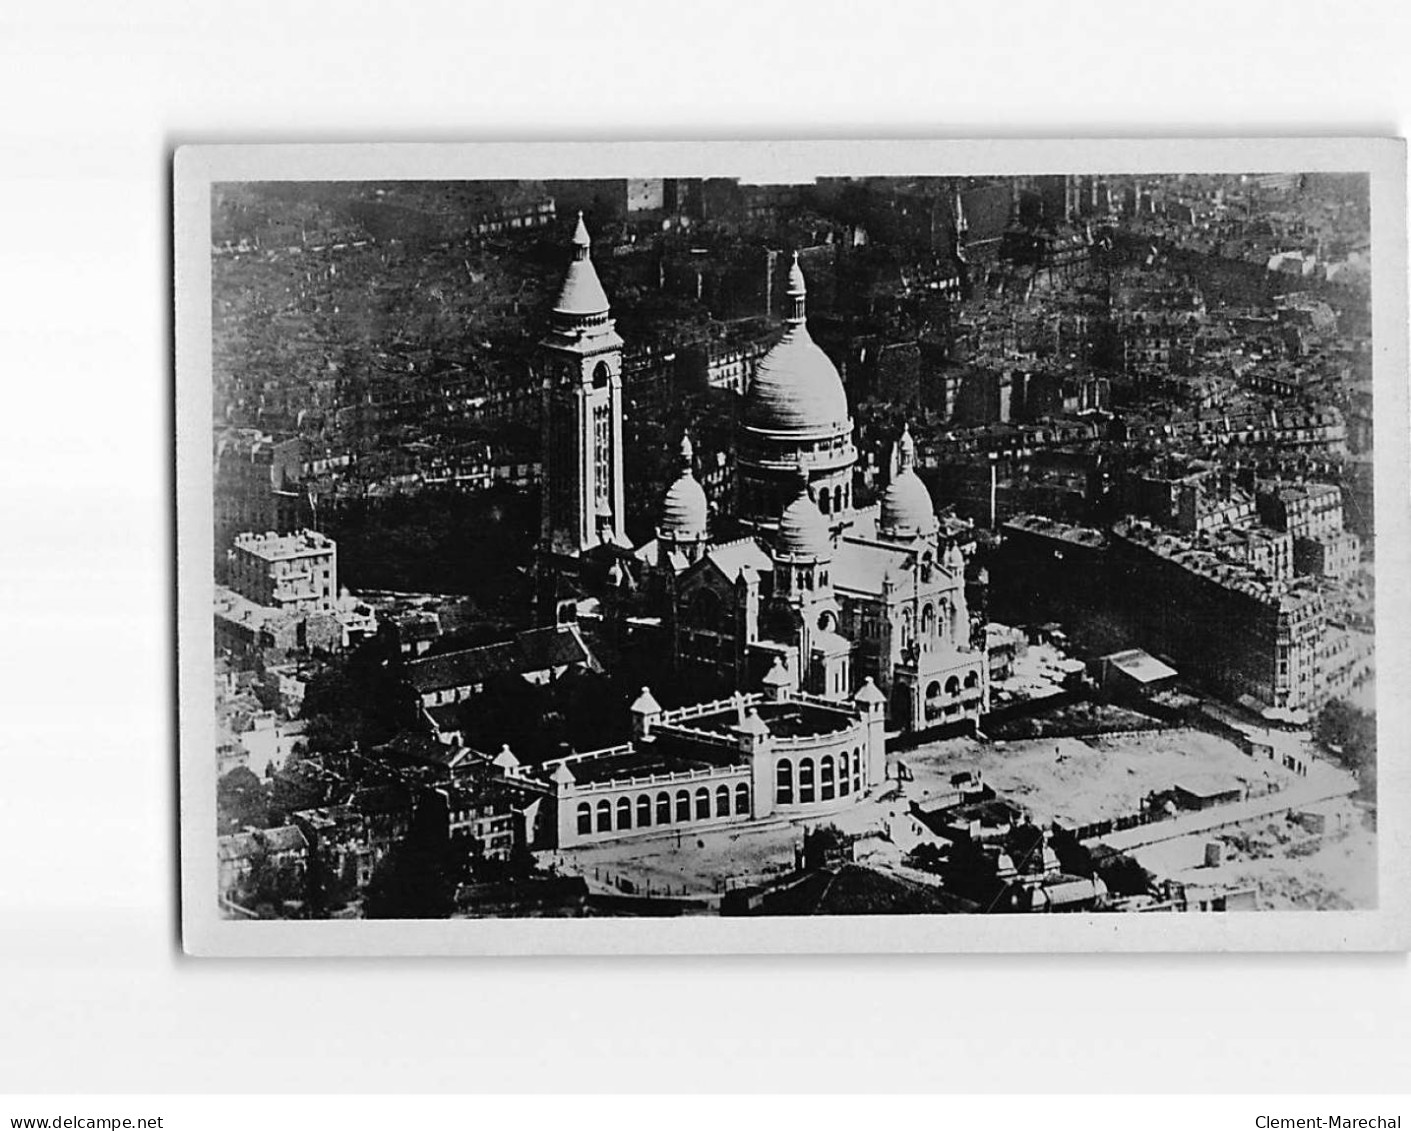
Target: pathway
[{"x": 1324, "y": 783}]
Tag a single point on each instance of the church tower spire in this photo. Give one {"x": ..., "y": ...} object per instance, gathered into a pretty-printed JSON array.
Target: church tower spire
[
  {"x": 580, "y": 371},
  {"x": 797, "y": 294}
]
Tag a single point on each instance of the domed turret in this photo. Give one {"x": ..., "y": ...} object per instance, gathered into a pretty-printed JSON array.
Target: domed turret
[
  {"x": 796, "y": 389},
  {"x": 803, "y": 531},
  {"x": 685, "y": 512},
  {"x": 907, "y": 510}
]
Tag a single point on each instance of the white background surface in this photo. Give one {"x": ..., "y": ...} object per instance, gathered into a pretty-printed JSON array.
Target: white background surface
[{"x": 94, "y": 992}]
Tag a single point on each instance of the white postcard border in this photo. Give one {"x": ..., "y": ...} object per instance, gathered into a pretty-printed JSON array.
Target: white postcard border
[{"x": 205, "y": 932}]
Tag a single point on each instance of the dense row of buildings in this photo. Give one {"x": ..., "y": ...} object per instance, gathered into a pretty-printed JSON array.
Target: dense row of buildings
[{"x": 1227, "y": 605}]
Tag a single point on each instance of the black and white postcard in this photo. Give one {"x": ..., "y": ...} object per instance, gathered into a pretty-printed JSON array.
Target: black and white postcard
[{"x": 798, "y": 547}]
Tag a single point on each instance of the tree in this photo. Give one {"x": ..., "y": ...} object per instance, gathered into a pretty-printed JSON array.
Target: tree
[
  {"x": 355, "y": 702},
  {"x": 1074, "y": 857},
  {"x": 1124, "y": 876},
  {"x": 331, "y": 889},
  {"x": 294, "y": 788},
  {"x": 242, "y": 801},
  {"x": 928, "y": 857},
  {"x": 414, "y": 881},
  {"x": 517, "y": 867},
  {"x": 1350, "y": 736},
  {"x": 1025, "y": 846},
  {"x": 823, "y": 846},
  {"x": 972, "y": 873},
  {"x": 271, "y": 886}
]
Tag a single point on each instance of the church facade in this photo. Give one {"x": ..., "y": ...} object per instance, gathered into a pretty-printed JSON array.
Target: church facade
[{"x": 806, "y": 592}]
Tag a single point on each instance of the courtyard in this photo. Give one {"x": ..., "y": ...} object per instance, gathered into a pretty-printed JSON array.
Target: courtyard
[{"x": 698, "y": 863}]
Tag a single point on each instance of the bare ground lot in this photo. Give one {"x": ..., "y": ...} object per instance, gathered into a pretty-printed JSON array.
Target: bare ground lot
[
  {"x": 1299, "y": 873},
  {"x": 1077, "y": 781},
  {"x": 1074, "y": 781}
]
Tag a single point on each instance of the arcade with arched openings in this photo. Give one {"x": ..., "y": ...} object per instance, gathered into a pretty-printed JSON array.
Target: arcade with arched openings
[{"x": 675, "y": 806}]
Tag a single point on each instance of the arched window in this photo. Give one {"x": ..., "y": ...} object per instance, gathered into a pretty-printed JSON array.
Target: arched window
[
  {"x": 644, "y": 811},
  {"x": 722, "y": 801},
  {"x": 805, "y": 781},
  {"x": 683, "y": 805},
  {"x": 972, "y": 680},
  {"x": 933, "y": 689},
  {"x": 928, "y": 621},
  {"x": 742, "y": 800},
  {"x": 702, "y": 804},
  {"x": 823, "y": 502},
  {"x": 857, "y": 770},
  {"x": 604, "y": 816},
  {"x": 624, "y": 812},
  {"x": 843, "y": 774},
  {"x": 585, "y": 818},
  {"x": 952, "y": 687},
  {"x": 784, "y": 777},
  {"x": 600, "y": 375},
  {"x": 837, "y": 498},
  {"x": 663, "y": 808},
  {"x": 825, "y": 778}
]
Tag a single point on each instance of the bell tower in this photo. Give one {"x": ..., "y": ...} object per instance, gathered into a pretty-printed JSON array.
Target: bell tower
[{"x": 580, "y": 371}]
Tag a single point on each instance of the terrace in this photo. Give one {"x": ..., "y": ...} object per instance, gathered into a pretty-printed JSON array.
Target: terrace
[{"x": 788, "y": 720}]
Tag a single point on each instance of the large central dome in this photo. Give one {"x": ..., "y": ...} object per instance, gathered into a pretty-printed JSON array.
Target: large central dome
[{"x": 796, "y": 389}]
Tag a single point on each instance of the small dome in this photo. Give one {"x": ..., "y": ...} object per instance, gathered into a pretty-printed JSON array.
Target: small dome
[
  {"x": 803, "y": 531},
  {"x": 796, "y": 389},
  {"x": 907, "y": 510},
  {"x": 685, "y": 512}
]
